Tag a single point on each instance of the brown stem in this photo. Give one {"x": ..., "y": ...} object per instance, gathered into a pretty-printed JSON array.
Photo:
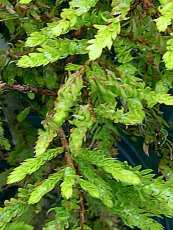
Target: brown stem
[
  {"x": 65, "y": 145},
  {"x": 70, "y": 163},
  {"x": 82, "y": 210},
  {"x": 27, "y": 88},
  {"x": 87, "y": 95}
]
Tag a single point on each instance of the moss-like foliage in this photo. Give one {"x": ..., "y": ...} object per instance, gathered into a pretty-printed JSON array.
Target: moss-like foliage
[{"x": 92, "y": 71}]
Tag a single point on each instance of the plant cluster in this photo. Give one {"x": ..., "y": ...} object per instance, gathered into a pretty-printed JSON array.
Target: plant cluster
[{"x": 92, "y": 71}]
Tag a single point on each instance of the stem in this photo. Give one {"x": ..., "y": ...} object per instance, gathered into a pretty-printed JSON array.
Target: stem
[
  {"x": 27, "y": 88},
  {"x": 65, "y": 145},
  {"x": 82, "y": 210},
  {"x": 70, "y": 163}
]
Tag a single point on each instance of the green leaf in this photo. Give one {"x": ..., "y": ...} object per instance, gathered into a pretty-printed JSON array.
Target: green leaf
[
  {"x": 83, "y": 6},
  {"x": 115, "y": 168},
  {"x": 23, "y": 114},
  {"x": 51, "y": 51},
  {"x": 166, "y": 17},
  {"x": 67, "y": 97},
  {"x": 90, "y": 188},
  {"x": 168, "y": 59},
  {"x": 162, "y": 23},
  {"x": 68, "y": 183},
  {"x": 103, "y": 38},
  {"x": 19, "y": 226},
  {"x": 83, "y": 122},
  {"x": 46, "y": 186},
  {"x": 25, "y": 1},
  {"x": 31, "y": 165}
]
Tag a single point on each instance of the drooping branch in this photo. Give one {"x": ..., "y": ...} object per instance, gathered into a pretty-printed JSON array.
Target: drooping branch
[{"x": 27, "y": 88}]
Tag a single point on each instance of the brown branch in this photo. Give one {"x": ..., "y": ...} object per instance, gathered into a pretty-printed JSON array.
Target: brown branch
[
  {"x": 82, "y": 210},
  {"x": 27, "y": 88},
  {"x": 70, "y": 163},
  {"x": 87, "y": 95},
  {"x": 65, "y": 145}
]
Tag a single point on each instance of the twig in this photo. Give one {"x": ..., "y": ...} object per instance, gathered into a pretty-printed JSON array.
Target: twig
[
  {"x": 27, "y": 88},
  {"x": 82, "y": 210},
  {"x": 87, "y": 95},
  {"x": 65, "y": 145},
  {"x": 70, "y": 163}
]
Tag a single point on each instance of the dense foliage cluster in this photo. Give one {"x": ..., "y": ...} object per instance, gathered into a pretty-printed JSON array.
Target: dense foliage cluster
[{"x": 92, "y": 71}]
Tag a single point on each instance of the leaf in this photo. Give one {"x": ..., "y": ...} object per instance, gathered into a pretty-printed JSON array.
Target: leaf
[
  {"x": 19, "y": 226},
  {"x": 4, "y": 142},
  {"x": 13, "y": 209},
  {"x": 67, "y": 97},
  {"x": 25, "y": 1},
  {"x": 83, "y": 121},
  {"x": 83, "y": 6},
  {"x": 103, "y": 38},
  {"x": 23, "y": 114},
  {"x": 162, "y": 23},
  {"x": 105, "y": 191},
  {"x": 166, "y": 16},
  {"x": 68, "y": 183},
  {"x": 90, "y": 188},
  {"x": 61, "y": 219},
  {"x": 35, "y": 39},
  {"x": 115, "y": 168},
  {"x": 46, "y": 186},
  {"x": 168, "y": 59},
  {"x": 51, "y": 51},
  {"x": 31, "y": 165}
]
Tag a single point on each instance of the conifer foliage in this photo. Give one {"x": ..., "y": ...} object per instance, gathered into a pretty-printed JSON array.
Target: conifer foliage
[{"x": 109, "y": 67}]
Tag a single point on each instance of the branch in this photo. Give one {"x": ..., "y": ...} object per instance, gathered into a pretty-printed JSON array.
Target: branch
[
  {"x": 70, "y": 163},
  {"x": 82, "y": 210},
  {"x": 27, "y": 88},
  {"x": 65, "y": 145}
]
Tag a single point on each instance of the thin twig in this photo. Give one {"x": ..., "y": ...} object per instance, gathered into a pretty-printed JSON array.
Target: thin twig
[
  {"x": 27, "y": 88},
  {"x": 82, "y": 210},
  {"x": 65, "y": 145},
  {"x": 70, "y": 163}
]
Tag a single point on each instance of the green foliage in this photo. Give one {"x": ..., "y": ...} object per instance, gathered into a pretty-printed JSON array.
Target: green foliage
[
  {"x": 67, "y": 96},
  {"x": 68, "y": 183},
  {"x": 45, "y": 187},
  {"x": 3, "y": 141},
  {"x": 163, "y": 22},
  {"x": 20, "y": 226},
  {"x": 116, "y": 169},
  {"x": 25, "y": 1},
  {"x": 51, "y": 51},
  {"x": 166, "y": 17},
  {"x": 12, "y": 209},
  {"x": 93, "y": 72},
  {"x": 31, "y": 165},
  {"x": 104, "y": 38},
  {"x": 83, "y": 121},
  {"x": 61, "y": 220},
  {"x": 95, "y": 185},
  {"x": 15, "y": 210},
  {"x": 23, "y": 114},
  {"x": 168, "y": 56}
]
